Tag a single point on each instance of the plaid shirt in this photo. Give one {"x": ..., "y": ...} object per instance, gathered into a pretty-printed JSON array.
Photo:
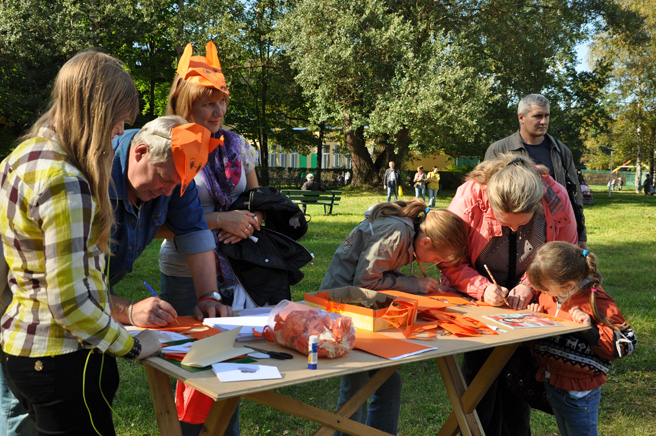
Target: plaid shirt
[{"x": 48, "y": 222}]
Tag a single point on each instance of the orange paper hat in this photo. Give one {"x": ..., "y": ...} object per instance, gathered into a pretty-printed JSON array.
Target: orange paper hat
[
  {"x": 191, "y": 144},
  {"x": 202, "y": 70}
]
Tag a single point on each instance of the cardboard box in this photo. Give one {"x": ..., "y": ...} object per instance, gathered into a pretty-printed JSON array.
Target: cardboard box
[{"x": 367, "y": 319}]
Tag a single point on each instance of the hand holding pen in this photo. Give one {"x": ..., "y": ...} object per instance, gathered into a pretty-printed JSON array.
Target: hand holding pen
[
  {"x": 495, "y": 295},
  {"x": 152, "y": 291}
]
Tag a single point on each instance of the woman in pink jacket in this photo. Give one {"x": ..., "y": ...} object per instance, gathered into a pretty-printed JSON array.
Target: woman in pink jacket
[{"x": 512, "y": 208}]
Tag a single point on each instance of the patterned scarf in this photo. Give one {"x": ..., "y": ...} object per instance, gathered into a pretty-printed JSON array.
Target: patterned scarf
[{"x": 221, "y": 174}]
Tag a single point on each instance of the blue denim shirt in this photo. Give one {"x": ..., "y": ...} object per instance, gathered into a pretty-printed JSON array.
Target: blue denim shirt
[{"x": 136, "y": 228}]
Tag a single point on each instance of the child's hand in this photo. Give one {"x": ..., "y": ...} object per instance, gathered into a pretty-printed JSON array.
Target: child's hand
[
  {"x": 580, "y": 316},
  {"x": 427, "y": 285},
  {"x": 536, "y": 307}
]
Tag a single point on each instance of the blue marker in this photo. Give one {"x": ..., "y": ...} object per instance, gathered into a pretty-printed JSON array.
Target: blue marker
[{"x": 152, "y": 291}]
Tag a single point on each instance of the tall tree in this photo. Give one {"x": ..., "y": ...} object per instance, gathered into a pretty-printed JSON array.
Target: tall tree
[
  {"x": 381, "y": 65},
  {"x": 633, "y": 82}
]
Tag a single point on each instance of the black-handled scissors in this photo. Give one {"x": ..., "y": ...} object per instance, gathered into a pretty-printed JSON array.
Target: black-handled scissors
[{"x": 272, "y": 354}]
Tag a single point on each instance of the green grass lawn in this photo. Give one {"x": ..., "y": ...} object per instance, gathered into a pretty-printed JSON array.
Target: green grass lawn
[{"x": 620, "y": 232}]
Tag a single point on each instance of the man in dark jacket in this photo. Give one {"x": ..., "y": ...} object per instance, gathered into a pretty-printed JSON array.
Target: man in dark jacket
[
  {"x": 311, "y": 184},
  {"x": 392, "y": 181},
  {"x": 532, "y": 140}
]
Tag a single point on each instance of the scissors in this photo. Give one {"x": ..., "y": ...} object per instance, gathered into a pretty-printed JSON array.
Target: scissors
[{"x": 272, "y": 354}]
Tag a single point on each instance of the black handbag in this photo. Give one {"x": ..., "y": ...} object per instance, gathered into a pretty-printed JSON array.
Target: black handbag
[{"x": 519, "y": 377}]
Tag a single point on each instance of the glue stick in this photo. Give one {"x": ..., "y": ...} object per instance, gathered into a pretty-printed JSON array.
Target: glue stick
[{"x": 313, "y": 351}]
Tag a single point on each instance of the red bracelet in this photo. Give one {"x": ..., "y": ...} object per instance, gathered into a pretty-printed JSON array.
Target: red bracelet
[{"x": 207, "y": 298}]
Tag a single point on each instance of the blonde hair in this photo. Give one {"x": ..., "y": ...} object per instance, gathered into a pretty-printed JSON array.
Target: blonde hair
[
  {"x": 559, "y": 262},
  {"x": 183, "y": 95},
  {"x": 514, "y": 184},
  {"x": 444, "y": 228},
  {"x": 91, "y": 94},
  {"x": 156, "y": 134}
]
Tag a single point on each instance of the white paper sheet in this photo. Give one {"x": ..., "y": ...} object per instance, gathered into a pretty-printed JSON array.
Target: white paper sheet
[
  {"x": 247, "y": 323},
  {"x": 230, "y": 372}
]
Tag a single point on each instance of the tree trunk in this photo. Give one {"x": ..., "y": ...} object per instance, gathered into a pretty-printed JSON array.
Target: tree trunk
[
  {"x": 317, "y": 176},
  {"x": 639, "y": 166},
  {"x": 364, "y": 172}
]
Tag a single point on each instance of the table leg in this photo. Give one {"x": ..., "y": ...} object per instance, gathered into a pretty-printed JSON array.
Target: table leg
[
  {"x": 314, "y": 414},
  {"x": 465, "y": 399},
  {"x": 219, "y": 417},
  {"x": 162, "y": 394}
]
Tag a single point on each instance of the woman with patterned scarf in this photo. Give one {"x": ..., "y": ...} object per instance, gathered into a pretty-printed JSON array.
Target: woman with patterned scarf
[{"x": 199, "y": 94}]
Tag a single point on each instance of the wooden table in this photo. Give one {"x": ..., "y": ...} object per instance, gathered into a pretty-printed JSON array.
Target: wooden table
[{"x": 463, "y": 398}]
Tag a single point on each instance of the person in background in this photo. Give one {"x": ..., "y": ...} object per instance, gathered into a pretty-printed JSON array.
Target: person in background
[
  {"x": 532, "y": 140},
  {"x": 420, "y": 183},
  {"x": 340, "y": 179},
  {"x": 347, "y": 178},
  {"x": 311, "y": 185},
  {"x": 647, "y": 186},
  {"x": 573, "y": 367},
  {"x": 511, "y": 208},
  {"x": 620, "y": 183},
  {"x": 433, "y": 186},
  {"x": 391, "y": 236},
  {"x": 392, "y": 181},
  {"x": 55, "y": 221}
]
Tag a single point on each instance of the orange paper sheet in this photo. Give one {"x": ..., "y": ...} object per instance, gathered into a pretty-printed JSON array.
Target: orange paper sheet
[
  {"x": 384, "y": 346},
  {"x": 190, "y": 326}
]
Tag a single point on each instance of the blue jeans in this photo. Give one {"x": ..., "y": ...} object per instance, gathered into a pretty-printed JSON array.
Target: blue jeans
[
  {"x": 384, "y": 405},
  {"x": 420, "y": 192},
  {"x": 575, "y": 416},
  {"x": 181, "y": 294},
  {"x": 14, "y": 420},
  {"x": 432, "y": 193},
  {"x": 392, "y": 190}
]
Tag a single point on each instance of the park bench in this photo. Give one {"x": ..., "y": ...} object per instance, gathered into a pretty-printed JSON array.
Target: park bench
[{"x": 326, "y": 198}]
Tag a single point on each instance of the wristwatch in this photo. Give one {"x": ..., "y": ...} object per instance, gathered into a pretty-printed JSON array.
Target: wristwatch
[{"x": 210, "y": 296}]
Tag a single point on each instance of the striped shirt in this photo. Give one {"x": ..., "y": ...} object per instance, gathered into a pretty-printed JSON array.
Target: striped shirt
[{"x": 49, "y": 228}]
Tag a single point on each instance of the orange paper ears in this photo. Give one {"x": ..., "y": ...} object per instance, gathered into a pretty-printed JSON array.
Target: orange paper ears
[
  {"x": 190, "y": 145},
  {"x": 202, "y": 70}
]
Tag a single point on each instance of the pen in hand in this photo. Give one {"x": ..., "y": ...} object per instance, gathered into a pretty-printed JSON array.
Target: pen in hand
[
  {"x": 495, "y": 282},
  {"x": 152, "y": 291}
]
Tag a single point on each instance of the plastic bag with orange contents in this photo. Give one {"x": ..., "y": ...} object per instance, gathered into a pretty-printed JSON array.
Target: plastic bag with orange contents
[{"x": 291, "y": 324}]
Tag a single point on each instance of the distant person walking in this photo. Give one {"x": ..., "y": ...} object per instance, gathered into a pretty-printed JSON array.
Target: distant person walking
[
  {"x": 347, "y": 178},
  {"x": 392, "y": 180},
  {"x": 433, "y": 186},
  {"x": 420, "y": 183}
]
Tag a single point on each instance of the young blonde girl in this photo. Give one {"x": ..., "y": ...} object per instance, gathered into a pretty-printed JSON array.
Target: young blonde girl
[{"x": 574, "y": 366}]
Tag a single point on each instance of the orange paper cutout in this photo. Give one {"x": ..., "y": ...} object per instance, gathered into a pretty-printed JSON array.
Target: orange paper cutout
[
  {"x": 384, "y": 346},
  {"x": 205, "y": 70},
  {"x": 190, "y": 145},
  {"x": 191, "y": 327}
]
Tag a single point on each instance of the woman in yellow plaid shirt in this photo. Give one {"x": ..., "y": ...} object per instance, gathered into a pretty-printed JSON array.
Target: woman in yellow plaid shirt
[{"x": 59, "y": 339}]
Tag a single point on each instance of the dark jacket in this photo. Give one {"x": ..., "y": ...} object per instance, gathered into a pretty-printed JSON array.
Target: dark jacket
[
  {"x": 559, "y": 154},
  {"x": 267, "y": 268},
  {"x": 397, "y": 173},
  {"x": 312, "y": 185}
]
